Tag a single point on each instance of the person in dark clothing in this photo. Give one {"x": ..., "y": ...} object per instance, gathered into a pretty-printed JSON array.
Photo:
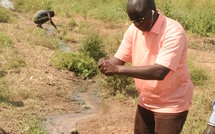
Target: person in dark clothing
[{"x": 43, "y": 16}]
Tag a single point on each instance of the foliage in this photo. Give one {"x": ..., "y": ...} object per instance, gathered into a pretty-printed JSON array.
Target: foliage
[
  {"x": 198, "y": 74},
  {"x": 92, "y": 47},
  {"x": 32, "y": 5},
  {"x": 32, "y": 125},
  {"x": 4, "y": 15},
  {"x": 71, "y": 24},
  {"x": 4, "y": 41},
  {"x": 117, "y": 83},
  {"x": 195, "y": 16},
  {"x": 81, "y": 64}
]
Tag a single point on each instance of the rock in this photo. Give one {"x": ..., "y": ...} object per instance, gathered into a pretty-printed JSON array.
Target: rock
[{"x": 74, "y": 131}]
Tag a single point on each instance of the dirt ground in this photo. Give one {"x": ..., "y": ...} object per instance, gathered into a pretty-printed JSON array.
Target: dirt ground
[{"x": 64, "y": 101}]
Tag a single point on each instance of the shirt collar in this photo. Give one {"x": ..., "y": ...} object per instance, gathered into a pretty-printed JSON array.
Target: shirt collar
[{"x": 158, "y": 24}]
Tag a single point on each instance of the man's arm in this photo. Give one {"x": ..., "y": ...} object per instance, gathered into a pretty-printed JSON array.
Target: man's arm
[
  {"x": 116, "y": 67},
  {"x": 50, "y": 19}
]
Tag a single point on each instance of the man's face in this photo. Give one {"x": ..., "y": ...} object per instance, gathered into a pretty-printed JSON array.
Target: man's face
[{"x": 142, "y": 20}]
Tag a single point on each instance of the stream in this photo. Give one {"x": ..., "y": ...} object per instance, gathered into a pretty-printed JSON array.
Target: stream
[
  {"x": 89, "y": 104},
  {"x": 66, "y": 123}
]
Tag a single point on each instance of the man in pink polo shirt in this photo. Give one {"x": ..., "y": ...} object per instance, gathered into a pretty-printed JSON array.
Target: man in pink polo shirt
[{"x": 157, "y": 48}]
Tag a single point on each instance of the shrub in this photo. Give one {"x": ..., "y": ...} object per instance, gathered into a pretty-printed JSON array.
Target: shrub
[
  {"x": 81, "y": 64},
  {"x": 198, "y": 75},
  {"x": 93, "y": 47},
  {"x": 117, "y": 83},
  {"x": 4, "y": 15}
]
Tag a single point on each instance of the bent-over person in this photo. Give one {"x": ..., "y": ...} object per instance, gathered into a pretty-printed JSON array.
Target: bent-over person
[{"x": 43, "y": 16}]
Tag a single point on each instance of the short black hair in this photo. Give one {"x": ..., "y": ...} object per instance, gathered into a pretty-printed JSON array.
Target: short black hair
[{"x": 51, "y": 13}]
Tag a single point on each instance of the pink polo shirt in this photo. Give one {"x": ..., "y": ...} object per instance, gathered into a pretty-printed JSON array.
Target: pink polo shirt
[{"x": 165, "y": 44}]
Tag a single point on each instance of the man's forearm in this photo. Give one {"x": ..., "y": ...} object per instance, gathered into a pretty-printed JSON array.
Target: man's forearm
[{"x": 153, "y": 72}]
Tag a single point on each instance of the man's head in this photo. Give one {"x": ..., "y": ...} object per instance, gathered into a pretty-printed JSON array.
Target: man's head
[
  {"x": 51, "y": 13},
  {"x": 141, "y": 12}
]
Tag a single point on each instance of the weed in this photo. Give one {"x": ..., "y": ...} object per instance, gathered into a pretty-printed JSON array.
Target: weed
[
  {"x": 81, "y": 64},
  {"x": 198, "y": 74},
  {"x": 71, "y": 24},
  {"x": 93, "y": 47},
  {"x": 5, "y": 92},
  {"x": 4, "y": 41},
  {"x": 32, "y": 125},
  {"x": 117, "y": 83},
  {"x": 4, "y": 15}
]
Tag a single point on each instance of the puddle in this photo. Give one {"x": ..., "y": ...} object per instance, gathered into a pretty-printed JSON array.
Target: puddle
[
  {"x": 7, "y": 4},
  {"x": 66, "y": 123}
]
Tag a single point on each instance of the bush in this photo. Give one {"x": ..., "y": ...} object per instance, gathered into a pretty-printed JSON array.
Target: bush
[
  {"x": 198, "y": 75},
  {"x": 93, "y": 47},
  {"x": 81, "y": 64},
  {"x": 117, "y": 83},
  {"x": 4, "y": 15}
]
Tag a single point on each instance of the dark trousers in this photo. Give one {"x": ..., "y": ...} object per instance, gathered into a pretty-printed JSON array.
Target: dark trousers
[{"x": 148, "y": 122}]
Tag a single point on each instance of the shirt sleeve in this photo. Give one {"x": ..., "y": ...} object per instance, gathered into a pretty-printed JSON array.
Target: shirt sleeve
[
  {"x": 173, "y": 45},
  {"x": 124, "y": 51}
]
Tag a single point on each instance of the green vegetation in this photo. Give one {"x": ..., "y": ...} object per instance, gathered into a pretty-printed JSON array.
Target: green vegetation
[
  {"x": 32, "y": 125},
  {"x": 5, "y": 41},
  {"x": 81, "y": 64},
  {"x": 32, "y": 5},
  {"x": 5, "y": 92},
  {"x": 117, "y": 84},
  {"x": 39, "y": 37},
  {"x": 195, "y": 16},
  {"x": 5, "y": 15},
  {"x": 198, "y": 75},
  {"x": 92, "y": 47}
]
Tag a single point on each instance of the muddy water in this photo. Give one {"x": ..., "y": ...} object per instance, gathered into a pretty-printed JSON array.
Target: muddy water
[
  {"x": 66, "y": 123},
  {"x": 7, "y": 4},
  {"x": 89, "y": 104}
]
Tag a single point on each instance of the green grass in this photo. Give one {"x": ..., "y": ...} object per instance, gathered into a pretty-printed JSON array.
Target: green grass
[
  {"x": 5, "y": 15},
  {"x": 5, "y": 41},
  {"x": 5, "y": 91},
  {"x": 198, "y": 74},
  {"x": 32, "y": 125},
  {"x": 195, "y": 16},
  {"x": 39, "y": 37}
]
